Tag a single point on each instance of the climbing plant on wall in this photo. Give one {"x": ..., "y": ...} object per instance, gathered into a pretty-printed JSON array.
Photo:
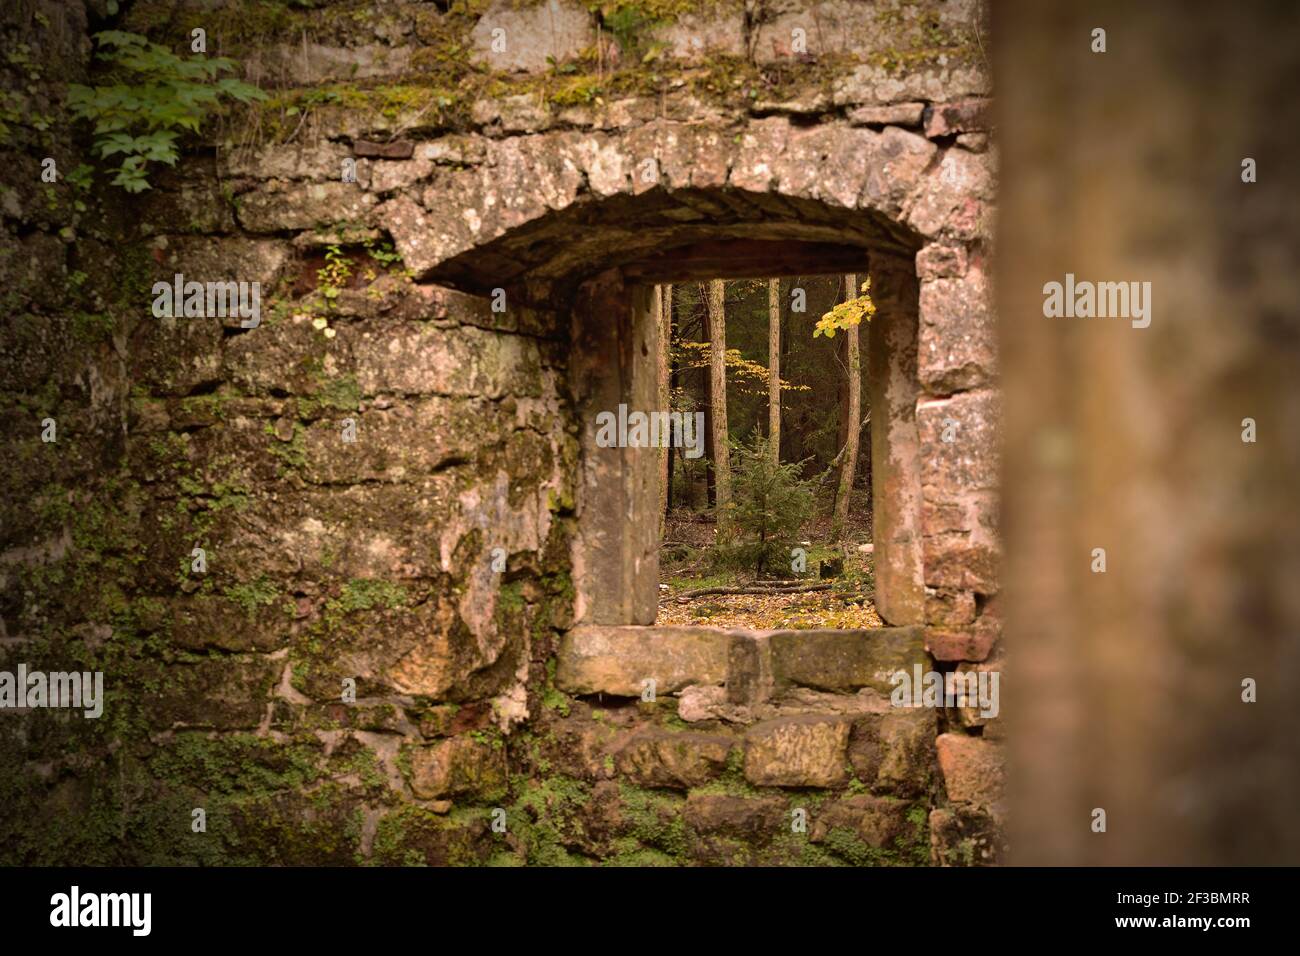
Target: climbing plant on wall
[{"x": 153, "y": 97}]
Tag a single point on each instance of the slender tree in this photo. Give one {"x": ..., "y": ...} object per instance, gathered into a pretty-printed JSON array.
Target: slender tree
[
  {"x": 841, "y": 360},
  {"x": 705, "y": 384},
  {"x": 665, "y": 396},
  {"x": 718, "y": 401},
  {"x": 774, "y": 369},
  {"x": 839, "y": 522}
]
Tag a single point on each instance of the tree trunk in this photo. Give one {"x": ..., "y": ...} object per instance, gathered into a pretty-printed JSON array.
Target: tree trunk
[
  {"x": 674, "y": 381},
  {"x": 665, "y": 396},
  {"x": 774, "y": 369},
  {"x": 718, "y": 399},
  {"x": 710, "y": 491},
  {"x": 839, "y": 523},
  {"x": 785, "y": 352},
  {"x": 842, "y": 435}
]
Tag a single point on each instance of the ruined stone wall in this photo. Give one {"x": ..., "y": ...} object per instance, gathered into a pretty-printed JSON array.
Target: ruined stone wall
[{"x": 431, "y": 559}]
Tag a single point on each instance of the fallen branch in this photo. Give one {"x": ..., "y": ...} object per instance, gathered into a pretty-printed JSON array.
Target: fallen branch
[{"x": 702, "y": 592}]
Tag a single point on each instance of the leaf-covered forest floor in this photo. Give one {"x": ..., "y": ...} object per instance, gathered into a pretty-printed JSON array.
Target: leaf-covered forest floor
[{"x": 686, "y": 564}]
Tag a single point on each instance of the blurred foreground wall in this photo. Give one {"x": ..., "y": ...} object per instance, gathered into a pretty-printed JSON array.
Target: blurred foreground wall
[{"x": 1126, "y": 689}]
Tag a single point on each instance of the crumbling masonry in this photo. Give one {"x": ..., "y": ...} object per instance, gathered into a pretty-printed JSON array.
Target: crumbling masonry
[{"x": 563, "y": 184}]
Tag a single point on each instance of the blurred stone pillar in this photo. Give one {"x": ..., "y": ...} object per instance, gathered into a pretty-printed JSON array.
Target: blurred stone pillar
[{"x": 1125, "y": 688}]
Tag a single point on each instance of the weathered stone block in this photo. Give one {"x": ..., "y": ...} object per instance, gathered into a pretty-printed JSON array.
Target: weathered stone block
[
  {"x": 960, "y": 480},
  {"x": 805, "y": 751},
  {"x": 398, "y": 149},
  {"x": 962, "y": 116},
  {"x": 876, "y": 84},
  {"x": 240, "y": 623},
  {"x": 293, "y": 828},
  {"x": 189, "y": 200},
  {"x": 222, "y": 693},
  {"x": 894, "y": 752},
  {"x": 439, "y": 720},
  {"x": 958, "y": 336},
  {"x": 726, "y": 830},
  {"x": 406, "y": 442},
  {"x": 898, "y": 114},
  {"x": 433, "y": 840},
  {"x": 762, "y": 141},
  {"x": 457, "y": 149},
  {"x": 843, "y": 27},
  {"x": 374, "y": 532},
  {"x": 970, "y": 461},
  {"x": 954, "y": 200},
  {"x": 458, "y": 766},
  {"x": 808, "y": 101},
  {"x": 580, "y": 748},
  {"x": 829, "y": 163},
  {"x": 516, "y": 39},
  {"x": 619, "y": 114},
  {"x": 971, "y": 643},
  {"x": 894, "y": 167},
  {"x": 879, "y": 822},
  {"x": 231, "y": 455},
  {"x": 318, "y": 161},
  {"x": 736, "y": 831},
  {"x": 278, "y": 205},
  {"x": 513, "y": 114},
  {"x": 844, "y": 660},
  {"x": 37, "y": 264},
  {"x": 696, "y": 37},
  {"x": 220, "y": 259},
  {"x": 485, "y": 209},
  {"x": 702, "y": 703},
  {"x": 305, "y": 63},
  {"x": 976, "y": 716},
  {"x": 32, "y": 347},
  {"x": 286, "y": 357},
  {"x": 962, "y": 561},
  {"x": 895, "y": 446},
  {"x": 618, "y": 660},
  {"x": 609, "y": 169},
  {"x": 426, "y": 648},
  {"x": 966, "y": 836},
  {"x": 176, "y": 356},
  {"x": 755, "y": 819},
  {"x": 949, "y": 606},
  {"x": 389, "y": 177},
  {"x": 660, "y": 758},
  {"x": 421, "y": 360},
  {"x": 941, "y": 260},
  {"x": 973, "y": 769},
  {"x": 693, "y": 156},
  {"x": 206, "y": 259}
]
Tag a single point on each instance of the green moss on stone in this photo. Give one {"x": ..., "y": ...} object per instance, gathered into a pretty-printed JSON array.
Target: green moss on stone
[{"x": 655, "y": 818}]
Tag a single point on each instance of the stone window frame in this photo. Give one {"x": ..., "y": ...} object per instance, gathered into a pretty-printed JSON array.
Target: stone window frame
[{"x": 614, "y": 336}]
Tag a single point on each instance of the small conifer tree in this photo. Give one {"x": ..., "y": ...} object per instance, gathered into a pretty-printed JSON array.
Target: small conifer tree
[{"x": 770, "y": 503}]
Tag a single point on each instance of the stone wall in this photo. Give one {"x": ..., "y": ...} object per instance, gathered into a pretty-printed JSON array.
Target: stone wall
[{"x": 436, "y": 561}]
